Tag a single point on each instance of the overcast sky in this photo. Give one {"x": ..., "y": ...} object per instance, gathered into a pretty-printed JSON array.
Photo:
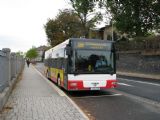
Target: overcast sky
[{"x": 22, "y": 21}]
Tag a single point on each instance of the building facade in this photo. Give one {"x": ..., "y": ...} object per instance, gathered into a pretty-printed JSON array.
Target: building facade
[{"x": 40, "y": 50}]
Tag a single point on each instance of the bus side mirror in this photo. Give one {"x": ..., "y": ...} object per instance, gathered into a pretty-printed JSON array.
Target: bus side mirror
[{"x": 68, "y": 50}]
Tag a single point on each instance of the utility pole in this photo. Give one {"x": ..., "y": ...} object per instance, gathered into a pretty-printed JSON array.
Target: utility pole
[{"x": 112, "y": 30}]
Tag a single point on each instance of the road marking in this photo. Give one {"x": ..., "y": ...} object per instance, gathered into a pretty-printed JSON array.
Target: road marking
[
  {"x": 112, "y": 95},
  {"x": 61, "y": 93},
  {"x": 140, "y": 82},
  {"x": 125, "y": 84},
  {"x": 138, "y": 98}
]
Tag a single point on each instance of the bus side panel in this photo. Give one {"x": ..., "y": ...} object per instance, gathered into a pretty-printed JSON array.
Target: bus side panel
[
  {"x": 61, "y": 72},
  {"x": 53, "y": 75},
  {"x": 65, "y": 81}
]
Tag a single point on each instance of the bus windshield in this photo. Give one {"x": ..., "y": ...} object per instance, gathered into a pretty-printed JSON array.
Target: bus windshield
[{"x": 93, "y": 61}]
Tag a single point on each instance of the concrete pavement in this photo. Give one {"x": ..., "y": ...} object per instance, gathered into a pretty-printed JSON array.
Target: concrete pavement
[{"x": 34, "y": 99}]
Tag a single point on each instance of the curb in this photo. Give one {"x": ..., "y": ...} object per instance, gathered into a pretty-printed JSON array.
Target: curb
[
  {"x": 61, "y": 93},
  {"x": 156, "y": 77},
  {"x": 6, "y": 93}
]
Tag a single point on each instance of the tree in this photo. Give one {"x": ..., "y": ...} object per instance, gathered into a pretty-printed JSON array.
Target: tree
[
  {"x": 65, "y": 25},
  {"x": 135, "y": 17},
  {"x": 31, "y": 53},
  {"x": 86, "y": 11},
  {"x": 19, "y": 53}
]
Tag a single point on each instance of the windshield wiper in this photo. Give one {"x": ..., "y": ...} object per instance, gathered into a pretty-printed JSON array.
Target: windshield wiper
[
  {"x": 76, "y": 73},
  {"x": 110, "y": 72}
]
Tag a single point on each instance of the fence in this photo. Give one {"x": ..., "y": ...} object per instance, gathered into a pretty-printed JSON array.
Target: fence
[{"x": 10, "y": 67}]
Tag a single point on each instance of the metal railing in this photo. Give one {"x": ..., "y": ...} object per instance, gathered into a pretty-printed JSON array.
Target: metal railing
[{"x": 10, "y": 67}]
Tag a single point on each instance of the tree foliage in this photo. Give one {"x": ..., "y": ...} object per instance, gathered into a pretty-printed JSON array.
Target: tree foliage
[
  {"x": 135, "y": 17},
  {"x": 19, "y": 53},
  {"x": 65, "y": 25},
  {"x": 31, "y": 53},
  {"x": 86, "y": 11}
]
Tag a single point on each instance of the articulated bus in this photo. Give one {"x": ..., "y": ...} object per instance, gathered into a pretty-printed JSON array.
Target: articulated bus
[{"x": 82, "y": 64}]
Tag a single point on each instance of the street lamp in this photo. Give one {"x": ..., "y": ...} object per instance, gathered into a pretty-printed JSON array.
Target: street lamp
[{"x": 112, "y": 30}]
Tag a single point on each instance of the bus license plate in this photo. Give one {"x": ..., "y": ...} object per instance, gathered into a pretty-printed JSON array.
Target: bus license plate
[{"x": 95, "y": 88}]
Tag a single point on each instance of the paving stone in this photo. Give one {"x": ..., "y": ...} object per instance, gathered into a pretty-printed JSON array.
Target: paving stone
[{"x": 34, "y": 99}]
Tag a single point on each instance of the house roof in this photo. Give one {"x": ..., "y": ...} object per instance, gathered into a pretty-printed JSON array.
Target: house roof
[
  {"x": 101, "y": 28},
  {"x": 42, "y": 48}
]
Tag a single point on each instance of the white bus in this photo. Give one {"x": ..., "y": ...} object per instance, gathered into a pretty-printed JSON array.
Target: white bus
[{"x": 82, "y": 64}]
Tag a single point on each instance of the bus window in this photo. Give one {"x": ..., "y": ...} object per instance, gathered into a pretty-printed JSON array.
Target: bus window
[{"x": 94, "y": 61}]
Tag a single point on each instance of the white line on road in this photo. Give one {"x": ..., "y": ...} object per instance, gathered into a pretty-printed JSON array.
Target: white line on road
[
  {"x": 141, "y": 99},
  {"x": 140, "y": 82},
  {"x": 125, "y": 84}
]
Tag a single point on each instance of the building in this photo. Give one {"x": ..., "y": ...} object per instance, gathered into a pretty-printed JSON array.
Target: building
[
  {"x": 104, "y": 33},
  {"x": 41, "y": 50}
]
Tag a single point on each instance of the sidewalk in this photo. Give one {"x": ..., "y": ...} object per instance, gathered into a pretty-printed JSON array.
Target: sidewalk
[
  {"x": 34, "y": 99},
  {"x": 140, "y": 75}
]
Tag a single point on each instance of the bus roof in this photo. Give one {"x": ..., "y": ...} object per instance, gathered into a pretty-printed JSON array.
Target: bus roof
[{"x": 63, "y": 44}]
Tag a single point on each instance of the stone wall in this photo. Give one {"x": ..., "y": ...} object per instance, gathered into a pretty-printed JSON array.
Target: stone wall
[
  {"x": 136, "y": 62},
  {"x": 11, "y": 65}
]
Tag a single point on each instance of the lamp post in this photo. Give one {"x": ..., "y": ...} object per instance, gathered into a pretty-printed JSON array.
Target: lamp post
[{"x": 112, "y": 30}]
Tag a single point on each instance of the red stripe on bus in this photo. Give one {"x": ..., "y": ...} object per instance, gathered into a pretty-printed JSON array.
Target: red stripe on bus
[{"x": 111, "y": 84}]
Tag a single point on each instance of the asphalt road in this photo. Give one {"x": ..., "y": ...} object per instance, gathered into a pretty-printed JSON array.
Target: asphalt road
[
  {"x": 134, "y": 99},
  {"x": 144, "y": 88},
  {"x": 110, "y": 107}
]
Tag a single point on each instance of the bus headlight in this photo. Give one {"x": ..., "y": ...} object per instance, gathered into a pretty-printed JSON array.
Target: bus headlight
[
  {"x": 114, "y": 83},
  {"x": 73, "y": 84}
]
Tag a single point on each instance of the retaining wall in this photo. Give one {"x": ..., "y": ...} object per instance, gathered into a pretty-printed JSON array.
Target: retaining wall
[
  {"x": 11, "y": 66},
  {"x": 135, "y": 62}
]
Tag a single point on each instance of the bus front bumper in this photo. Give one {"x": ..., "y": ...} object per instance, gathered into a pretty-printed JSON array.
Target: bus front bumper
[{"x": 75, "y": 85}]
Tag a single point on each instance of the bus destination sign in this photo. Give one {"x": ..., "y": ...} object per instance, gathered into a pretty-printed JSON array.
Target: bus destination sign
[{"x": 93, "y": 45}]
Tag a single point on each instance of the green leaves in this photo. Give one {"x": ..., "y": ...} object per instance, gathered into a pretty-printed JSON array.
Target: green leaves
[
  {"x": 65, "y": 25},
  {"x": 135, "y": 17},
  {"x": 72, "y": 23},
  {"x": 85, "y": 10},
  {"x": 31, "y": 53}
]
